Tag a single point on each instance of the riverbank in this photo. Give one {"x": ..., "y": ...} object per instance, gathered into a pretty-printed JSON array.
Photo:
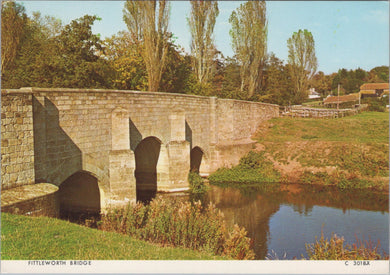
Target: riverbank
[
  {"x": 350, "y": 152},
  {"x": 37, "y": 238}
]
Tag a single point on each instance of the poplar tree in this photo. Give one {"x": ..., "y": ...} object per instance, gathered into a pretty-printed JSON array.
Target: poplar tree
[
  {"x": 202, "y": 22},
  {"x": 148, "y": 22},
  {"x": 303, "y": 61},
  {"x": 249, "y": 41}
]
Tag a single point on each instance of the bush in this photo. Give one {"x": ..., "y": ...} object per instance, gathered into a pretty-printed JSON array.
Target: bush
[
  {"x": 334, "y": 249},
  {"x": 253, "y": 168},
  {"x": 170, "y": 222},
  {"x": 376, "y": 104},
  {"x": 238, "y": 245},
  {"x": 197, "y": 184}
]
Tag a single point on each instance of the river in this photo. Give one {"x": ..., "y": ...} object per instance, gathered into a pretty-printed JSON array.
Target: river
[{"x": 282, "y": 218}]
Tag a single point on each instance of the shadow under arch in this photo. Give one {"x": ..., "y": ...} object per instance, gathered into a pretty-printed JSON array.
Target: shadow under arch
[
  {"x": 79, "y": 195},
  {"x": 196, "y": 156},
  {"x": 146, "y": 154}
]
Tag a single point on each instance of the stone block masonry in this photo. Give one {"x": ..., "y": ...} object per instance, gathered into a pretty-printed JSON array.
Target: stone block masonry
[
  {"x": 49, "y": 135},
  {"x": 17, "y": 143}
]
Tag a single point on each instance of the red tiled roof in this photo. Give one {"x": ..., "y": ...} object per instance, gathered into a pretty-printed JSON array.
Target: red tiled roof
[
  {"x": 342, "y": 98},
  {"x": 374, "y": 86}
]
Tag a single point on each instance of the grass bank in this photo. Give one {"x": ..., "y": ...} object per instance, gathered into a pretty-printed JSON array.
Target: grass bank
[
  {"x": 350, "y": 152},
  {"x": 37, "y": 238}
]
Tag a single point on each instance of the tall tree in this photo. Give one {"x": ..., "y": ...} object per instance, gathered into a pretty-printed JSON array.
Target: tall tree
[
  {"x": 322, "y": 83},
  {"x": 132, "y": 15},
  {"x": 149, "y": 20},
  {"x": 36, "y": 54},
  {"x": 13, "y": 22},
  {"x": 303, "y": 61},
  {"x": 249, "y": 40},
  {"x": 277, "y": 84},
  {"x": 79, "y": 63},
  {"x": 124, "y": 56},
  {"x": 202, "y": 22}
]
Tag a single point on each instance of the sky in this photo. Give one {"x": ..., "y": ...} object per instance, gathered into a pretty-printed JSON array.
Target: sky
[{"x": 347, "y": 34}]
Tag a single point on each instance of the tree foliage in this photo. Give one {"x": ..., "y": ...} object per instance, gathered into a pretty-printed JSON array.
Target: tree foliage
[
  {"x": 149, "y": 20},
  {"x": 13, "y": 22},
  {"x": 249, "y": 41},
  {"x": 202, "y": 22},
  {"x": 50, "y": 55},
  {"x": 303, "y": 61},
  {"x": 80, "y": 52},
  {"x": 277, "y": 82},
  {"x": 38, "y": 51},
  {"x": 128, "y": 66}
]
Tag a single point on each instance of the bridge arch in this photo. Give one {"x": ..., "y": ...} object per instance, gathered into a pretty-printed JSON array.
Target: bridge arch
[
  {"x": 196, "y": 156},
  {"x": 80, "y": 194},
  {"x": 147, "y": 154}
]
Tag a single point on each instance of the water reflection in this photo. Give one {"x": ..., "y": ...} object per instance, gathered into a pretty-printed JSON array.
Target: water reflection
[{"x": 283, "y": 218}]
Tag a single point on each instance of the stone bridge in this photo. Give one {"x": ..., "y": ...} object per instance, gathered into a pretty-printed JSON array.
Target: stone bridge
[{"x": 103, "y": 148}]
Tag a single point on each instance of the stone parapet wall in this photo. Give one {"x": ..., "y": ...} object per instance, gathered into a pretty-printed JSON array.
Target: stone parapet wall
[
  {"x": 55, "y": 133},
  {"x": 31, "y": 200},
  {"x": 238, "y": 120},
  {"x": 17, "y": 142}
]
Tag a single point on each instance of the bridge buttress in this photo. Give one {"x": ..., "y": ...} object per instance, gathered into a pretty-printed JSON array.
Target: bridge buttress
[
  {"x": 178, "y": 151},
  {"x": 121, "y": 160}
]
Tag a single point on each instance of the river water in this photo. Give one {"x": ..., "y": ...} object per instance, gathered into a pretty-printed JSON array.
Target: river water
[{"x": 282, "y": 218}]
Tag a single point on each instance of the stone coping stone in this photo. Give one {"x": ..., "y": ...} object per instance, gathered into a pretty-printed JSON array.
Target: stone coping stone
[
  {"x": 32, "y": 90},
  {"x": 26, "y": 193}
]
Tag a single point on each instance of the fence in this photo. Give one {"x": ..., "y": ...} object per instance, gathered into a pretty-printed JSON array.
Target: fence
[{"x": 300, "y": 111}]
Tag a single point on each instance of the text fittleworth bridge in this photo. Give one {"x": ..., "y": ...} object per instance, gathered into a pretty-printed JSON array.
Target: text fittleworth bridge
[{"x": 104, "y": 147}]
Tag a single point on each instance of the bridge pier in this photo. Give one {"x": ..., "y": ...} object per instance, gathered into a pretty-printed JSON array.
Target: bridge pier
[
  {"x": 121, "y": 160},
  {"x": 178, "y": 151}
]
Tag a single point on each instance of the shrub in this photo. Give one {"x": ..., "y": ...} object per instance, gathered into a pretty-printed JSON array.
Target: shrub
[
  {"x": 335, "y": 249},
  {"x": 253, "y": 168},
  {"x": 376, "y": 104},
  {"x": 170, "y": 222},
  {"x": 238, "y": 245},
  {"x": 125, "y": 220},
  {"x": 197, "y": 184}
]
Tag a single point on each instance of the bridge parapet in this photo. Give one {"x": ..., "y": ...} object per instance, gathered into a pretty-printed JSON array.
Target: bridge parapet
[{"x": 50, "y": 134}]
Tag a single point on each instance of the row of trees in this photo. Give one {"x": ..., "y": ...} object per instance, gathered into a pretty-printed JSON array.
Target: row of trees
[
  {"x": 40, "y": 51},
  {"x": 349, "y": 80}
]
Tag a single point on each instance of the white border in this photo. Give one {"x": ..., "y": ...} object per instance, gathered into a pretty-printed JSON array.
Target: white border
[{"x": 197, "y": 267}]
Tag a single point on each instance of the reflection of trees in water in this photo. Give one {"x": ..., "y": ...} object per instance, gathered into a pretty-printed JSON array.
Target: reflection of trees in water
[
  {"x": 252, "y": 207},
  {"x": 253, "y": 213},
  {"x": 308, "y": 196}
]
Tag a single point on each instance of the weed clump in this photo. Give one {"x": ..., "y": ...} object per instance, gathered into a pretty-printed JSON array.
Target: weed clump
[
  {"x": 335, "y": 249},
  {"x": 174, "y": 223}
]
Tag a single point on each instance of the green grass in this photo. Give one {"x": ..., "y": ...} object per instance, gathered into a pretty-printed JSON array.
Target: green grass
[
  {"x": 366, "y": 127},
  {"x": 35, "y": 238},
  {"x": 253, "y": 168},
  {"x": 356, "y": 146}
]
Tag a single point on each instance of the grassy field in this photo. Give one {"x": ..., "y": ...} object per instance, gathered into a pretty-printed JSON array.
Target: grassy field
[
  {"x": 37, "y": 238},
  {"x": 351, "y": 152},
  {"x": 366, "y": 127}
]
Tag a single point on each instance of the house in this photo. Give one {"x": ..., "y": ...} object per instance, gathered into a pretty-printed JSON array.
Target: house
[
  {"x": 313, "y": 94},
  {"x": 343, "y": 101},
  {"x": 374, "y": 89}
]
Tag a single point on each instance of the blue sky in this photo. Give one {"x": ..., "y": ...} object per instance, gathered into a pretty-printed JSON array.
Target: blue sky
[{"x": 347, "y": 34}]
